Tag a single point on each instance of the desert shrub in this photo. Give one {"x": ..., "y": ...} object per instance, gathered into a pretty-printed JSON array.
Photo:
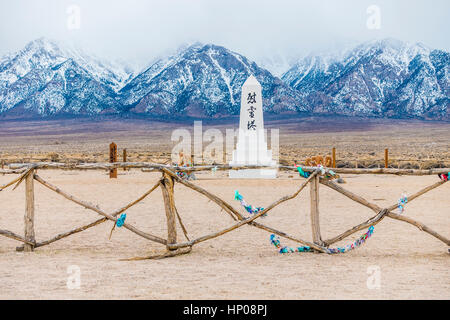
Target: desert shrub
[{"x": 54, "y": 157}]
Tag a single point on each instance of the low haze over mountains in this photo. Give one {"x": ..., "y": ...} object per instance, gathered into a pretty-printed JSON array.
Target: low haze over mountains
[{"x": 386, "y": 78}]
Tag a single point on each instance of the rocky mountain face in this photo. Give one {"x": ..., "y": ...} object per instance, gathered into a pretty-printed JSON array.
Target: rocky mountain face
[
  {"x": 383, "y": 78},
  {"x": 203, "y": 81},
  {"x": 46, "y": 79}
]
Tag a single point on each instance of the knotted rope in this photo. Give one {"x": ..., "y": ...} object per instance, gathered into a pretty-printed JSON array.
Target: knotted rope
[
  {"x": 248, "y": 207},
  {"x": 119, "y": 223},
  {"x": 275, "y": 240}
]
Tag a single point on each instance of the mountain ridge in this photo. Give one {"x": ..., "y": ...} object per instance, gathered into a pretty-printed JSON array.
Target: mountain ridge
[{"x": 384, "y": 78}]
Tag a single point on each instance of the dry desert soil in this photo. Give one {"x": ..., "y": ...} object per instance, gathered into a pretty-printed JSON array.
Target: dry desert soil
[{"x": 241, "y": 264}]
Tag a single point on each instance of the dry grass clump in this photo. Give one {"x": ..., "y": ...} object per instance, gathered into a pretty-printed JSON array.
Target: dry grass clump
[{"x": 53, "y": 156}]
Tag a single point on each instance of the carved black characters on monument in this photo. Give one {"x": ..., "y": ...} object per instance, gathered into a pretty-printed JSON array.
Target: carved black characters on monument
[
  {"x": 251, "y": 111},
  {"x": 251, "y": 97}
]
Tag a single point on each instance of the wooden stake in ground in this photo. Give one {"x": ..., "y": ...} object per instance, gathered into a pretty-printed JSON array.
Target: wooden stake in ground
[
  {"x": 112, "y": 159},
  {"x": 29, "y": 211},
  {"x": 125, "y": 158},
  {"x": 333, "y": 156},
  {"x": 167, "y": 187},
  {"x": 386, "y": 158},
  {"x": 314, "y": 193}
]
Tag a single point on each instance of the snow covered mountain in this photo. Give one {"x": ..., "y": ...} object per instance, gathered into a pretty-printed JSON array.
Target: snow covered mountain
[
  {"x": 387, "y": 78},
  {"x": 46, "y": 78},
  {"x": 203, "y": 80},
  {"x": 380, "y": 78}
]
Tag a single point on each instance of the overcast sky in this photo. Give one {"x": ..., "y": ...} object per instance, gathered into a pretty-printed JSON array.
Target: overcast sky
[{"x": 138, "y": 30}]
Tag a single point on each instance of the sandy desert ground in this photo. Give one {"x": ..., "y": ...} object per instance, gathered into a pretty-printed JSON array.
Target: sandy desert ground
[{"x": 239, "y": 265}]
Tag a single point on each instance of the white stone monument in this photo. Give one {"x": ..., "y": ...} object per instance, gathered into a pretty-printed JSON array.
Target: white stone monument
[{"x": 251, "y": 147}]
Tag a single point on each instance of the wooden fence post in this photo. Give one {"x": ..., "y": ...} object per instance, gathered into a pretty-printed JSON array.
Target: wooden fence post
[
  {"x": 124, "y": 158},
  {"x": 29, "y": 211},
  {"x": 314, "y": 193},
  {"x": 333, "y": 155},
  {"x": 386, "y": 158},
  {"x": 167, "y": 188},
  {"x": 113, "y": 158}
]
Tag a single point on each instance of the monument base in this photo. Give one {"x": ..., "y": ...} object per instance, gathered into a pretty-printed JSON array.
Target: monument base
[{"x": 253, "y": 174}]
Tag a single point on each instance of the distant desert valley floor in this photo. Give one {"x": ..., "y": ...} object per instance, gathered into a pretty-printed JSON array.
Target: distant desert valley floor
[{"x": 359, "y": 142}]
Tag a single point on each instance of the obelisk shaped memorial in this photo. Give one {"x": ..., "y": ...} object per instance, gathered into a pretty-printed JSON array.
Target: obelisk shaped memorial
[{"x": 251, "y": 147}]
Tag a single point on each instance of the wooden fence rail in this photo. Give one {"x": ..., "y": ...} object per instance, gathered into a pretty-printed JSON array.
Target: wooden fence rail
[
  {"x": 15, "y": 168},
  {"x": 167, "y": 182}
]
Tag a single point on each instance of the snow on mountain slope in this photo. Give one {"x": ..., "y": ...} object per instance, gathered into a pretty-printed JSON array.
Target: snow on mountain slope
[
  {"x": 386, "y": 78},
  {"x": 27, "y": 76},
  {"x": 72, "y": 90},
  {"x": 378, "y": 78},
  {"x": 425, "y": 91},
  {"x": 203, "y": 80}
]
